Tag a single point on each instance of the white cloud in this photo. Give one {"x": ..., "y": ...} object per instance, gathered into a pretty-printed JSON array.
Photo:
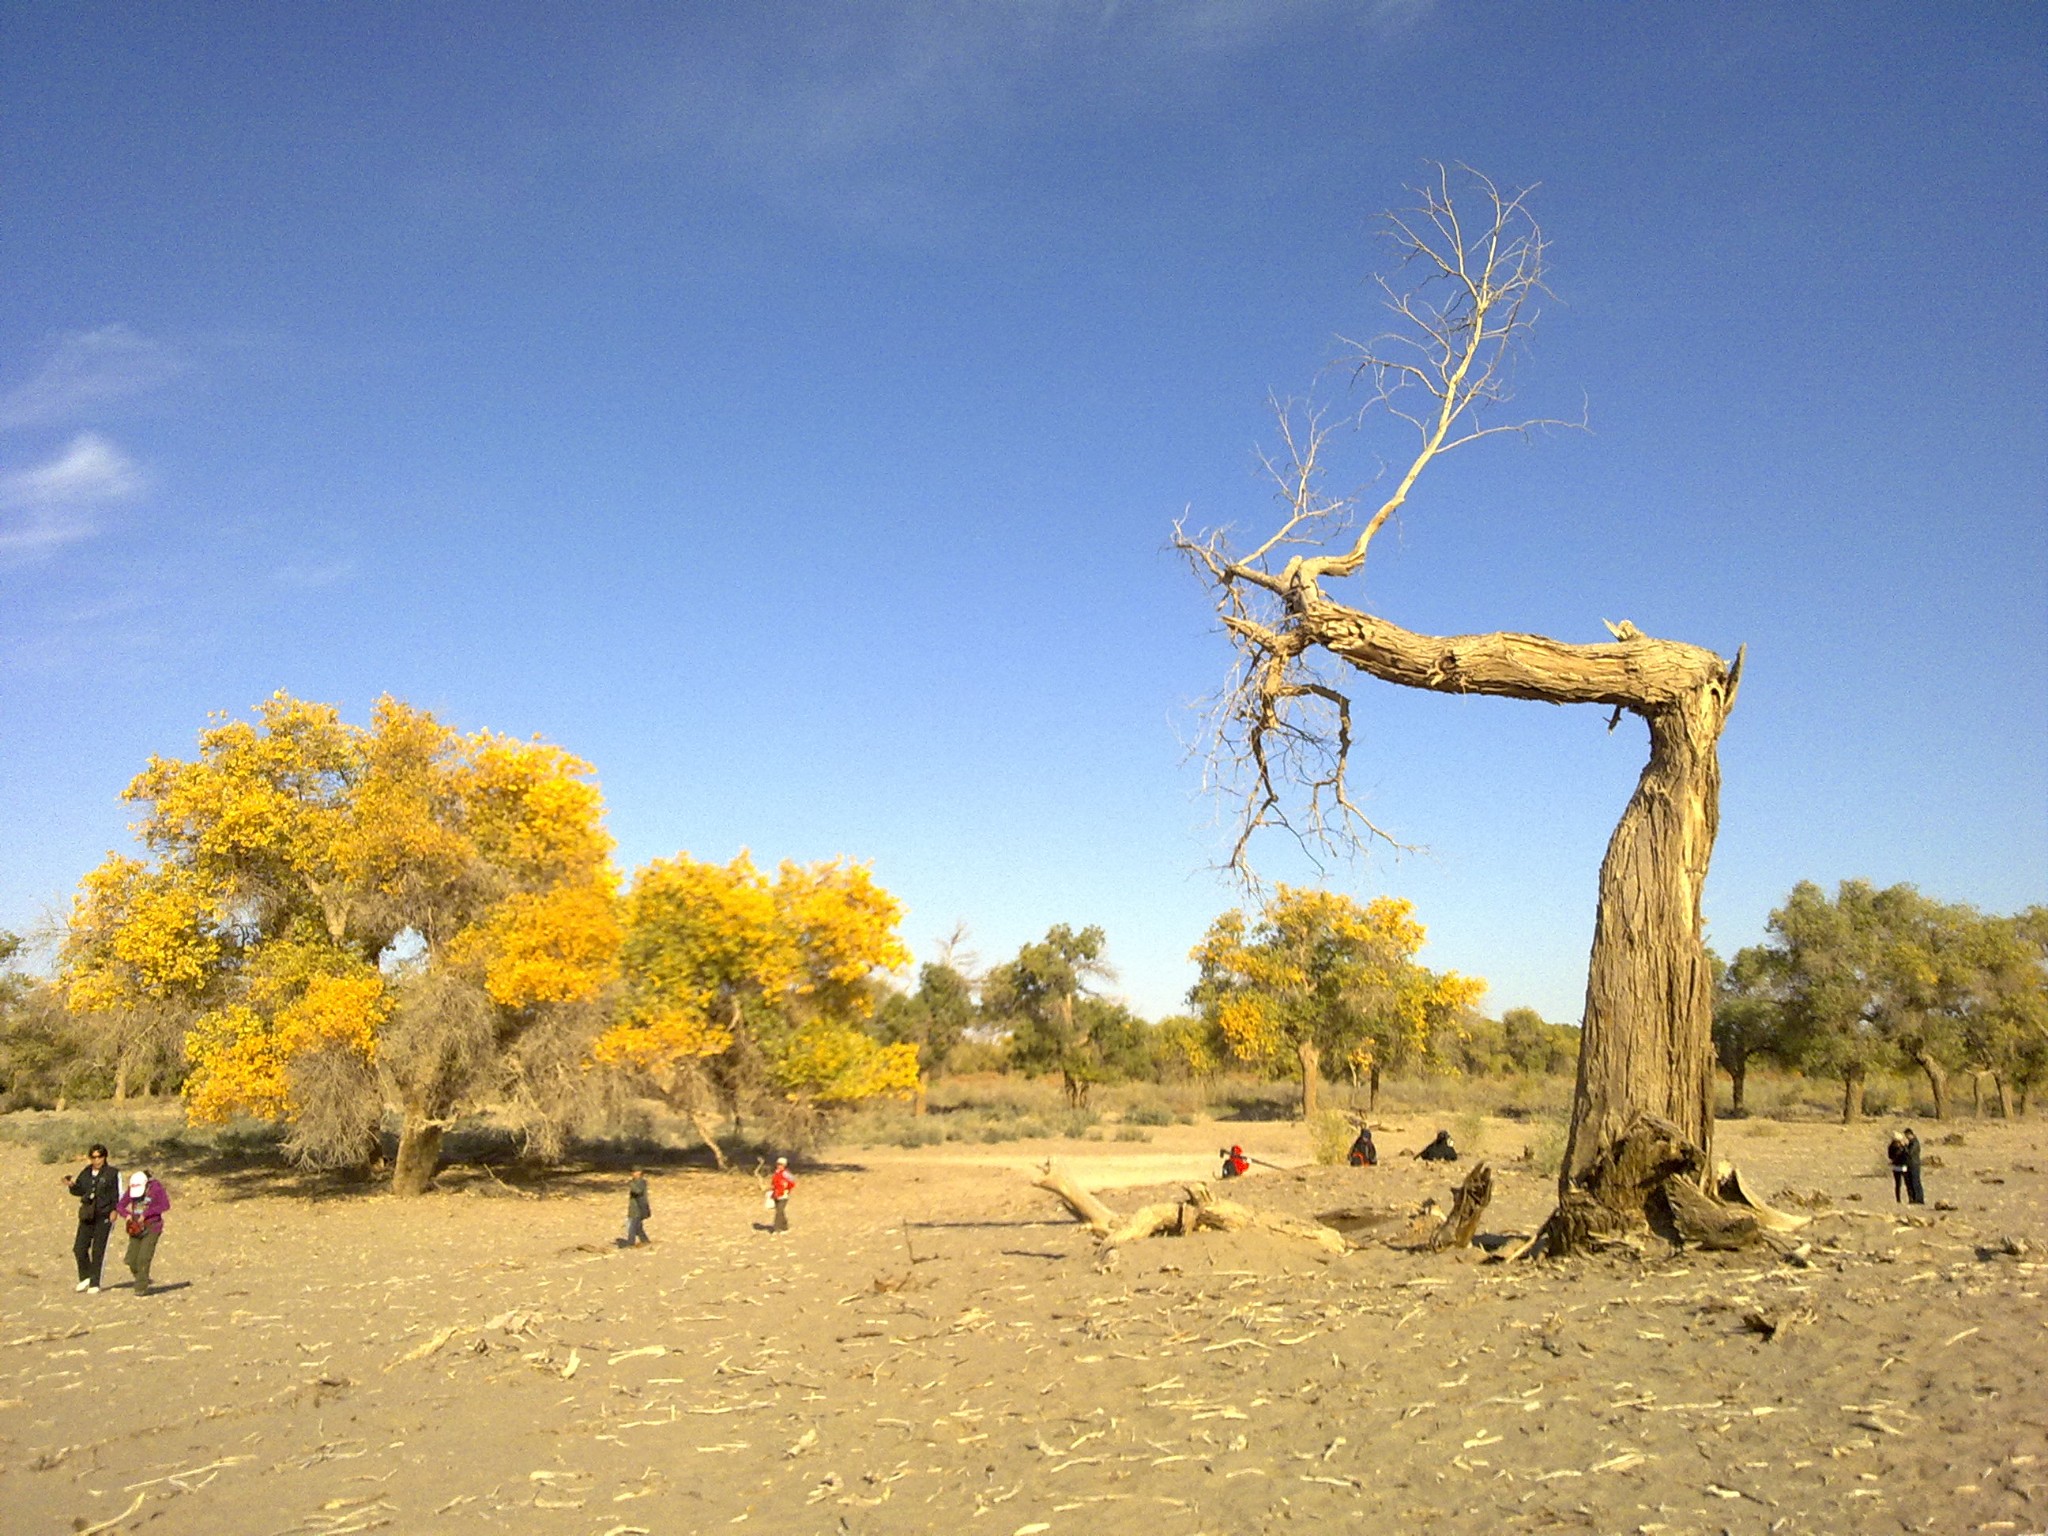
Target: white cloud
[
  {"x": 46, "y": 507},
  {"x": 809, "y": 94},
  {"x": 86, "y": 371}
]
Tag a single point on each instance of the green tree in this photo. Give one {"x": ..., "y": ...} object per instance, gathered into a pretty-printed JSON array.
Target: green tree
[
  {"x": 934, "y": 1018},
  {"x": 1749, "y": 1014},
  {"x": 1535, "y": 1045},
  {"x": 1038, "y": 997},
  {"x": 2004, "y": 1003}
]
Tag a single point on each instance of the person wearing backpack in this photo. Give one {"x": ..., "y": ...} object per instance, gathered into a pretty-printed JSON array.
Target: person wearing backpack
[
  {"x": 142, "y": 1209},
  {"x": 98, "y": 1188}
]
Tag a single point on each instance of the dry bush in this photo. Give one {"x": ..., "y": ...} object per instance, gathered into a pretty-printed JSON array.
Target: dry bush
[{"x": 340, "y": 1110}]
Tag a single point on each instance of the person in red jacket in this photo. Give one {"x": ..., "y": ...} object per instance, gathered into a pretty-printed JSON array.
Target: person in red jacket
[
  {"x": 1235, "y": 1164},
  {"x": 779, "y": 1186}
]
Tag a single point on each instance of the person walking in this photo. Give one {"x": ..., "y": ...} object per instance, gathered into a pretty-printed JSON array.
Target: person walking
[
  {"x": 98, "y": 1188},
  {"x": 780, "y": 1183},
  {"x": 1895, "y": 1154},
  {"x": 637, "y": 1211},
  {"x": 142, "y": 1209}
]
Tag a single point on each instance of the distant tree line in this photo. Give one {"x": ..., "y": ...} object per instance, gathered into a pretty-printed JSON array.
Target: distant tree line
[
  {"x": 333, "y": 927},
  {"x": 1872, "y": 979}
]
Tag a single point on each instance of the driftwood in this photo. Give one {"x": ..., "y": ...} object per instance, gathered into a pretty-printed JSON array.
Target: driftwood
[
  {"x": 1467, "y": 1206},
  {"x": 1088, "y": 1210},
  {"x": 1177, "y": 1218},
  {"x": 1229, "y": 1216},
  {"x": 1769, "y": 1217}
]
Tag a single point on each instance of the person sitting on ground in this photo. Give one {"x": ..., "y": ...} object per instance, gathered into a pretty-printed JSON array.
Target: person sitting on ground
[
  {"x": 1235, "y": 1164},
  {"x": 1440, "y": 1150},
  {"x": 1363, "y": 1153}
]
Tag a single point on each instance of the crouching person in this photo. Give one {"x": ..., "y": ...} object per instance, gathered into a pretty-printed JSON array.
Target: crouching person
[{"x": 141, "y": 1209}]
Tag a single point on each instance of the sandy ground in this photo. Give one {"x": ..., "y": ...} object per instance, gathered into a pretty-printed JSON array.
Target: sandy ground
[{"x": 936, "y": 1347}]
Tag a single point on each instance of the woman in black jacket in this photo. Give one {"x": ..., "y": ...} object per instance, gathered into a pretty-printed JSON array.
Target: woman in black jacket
[{"x": 98, "y": 1187}]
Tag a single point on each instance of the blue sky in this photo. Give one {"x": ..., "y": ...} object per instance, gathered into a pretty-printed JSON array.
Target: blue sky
[{"x": 786, "y": 407}]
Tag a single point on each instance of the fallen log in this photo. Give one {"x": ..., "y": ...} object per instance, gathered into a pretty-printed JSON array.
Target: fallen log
[
  {"x": 1229, "y": 1216},
  {"x": 1166, "y": 1219},
  {"x": 1177, "y": 1218},
  {"x": 1088, "y": 1210}
]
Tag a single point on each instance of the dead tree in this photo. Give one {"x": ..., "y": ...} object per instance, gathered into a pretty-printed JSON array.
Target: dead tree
[{"x": 1284, "y": 728}]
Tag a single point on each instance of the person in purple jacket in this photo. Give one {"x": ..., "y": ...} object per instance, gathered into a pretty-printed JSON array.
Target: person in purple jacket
[{"x": 142, "y": 1206}]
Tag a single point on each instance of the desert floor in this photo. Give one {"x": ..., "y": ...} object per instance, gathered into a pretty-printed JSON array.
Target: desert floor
[{"x": 936, "y": 1346}]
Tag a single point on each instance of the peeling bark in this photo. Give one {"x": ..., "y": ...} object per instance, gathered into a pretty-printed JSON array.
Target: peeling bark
[{"x": 1647, "y": 1045}]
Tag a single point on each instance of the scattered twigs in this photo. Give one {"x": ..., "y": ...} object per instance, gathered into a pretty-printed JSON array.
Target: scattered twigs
[{"x": 108, "y": 1525}]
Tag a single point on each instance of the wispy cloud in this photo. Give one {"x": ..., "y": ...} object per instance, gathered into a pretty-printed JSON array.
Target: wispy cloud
[
  {"x": 838, "y": 97},
  {"x": 87, "y": 371},
  {"x": 50, "y": 505}
]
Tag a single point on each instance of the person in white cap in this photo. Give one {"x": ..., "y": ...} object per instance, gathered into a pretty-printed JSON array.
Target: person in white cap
[
  {"x": 779, "y": 1186},
  {"x": 142, "y": 1206}
]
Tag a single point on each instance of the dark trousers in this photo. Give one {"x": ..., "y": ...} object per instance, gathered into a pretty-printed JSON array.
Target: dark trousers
[
  {"x": 1898, "y": 1184},
  {"x": 781, "y": 1215},
  {"x": 1916, "y": 1193},
  {"x": 636, "y": 1231},
  {"x": 90, "y": 1247}
]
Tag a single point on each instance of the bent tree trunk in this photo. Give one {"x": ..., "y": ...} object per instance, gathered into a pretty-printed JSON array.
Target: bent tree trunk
[
  {"x": 1311, "y": 1074},
  {"x": 1646, "y": 1050},
  {"x": 1937, "y": 1081}
]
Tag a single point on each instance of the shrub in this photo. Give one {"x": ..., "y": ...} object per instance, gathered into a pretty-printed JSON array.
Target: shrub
[
  {"x": 1330, "y": 1135},
  {"x": 1148, "y": 1113},
  {"x": 1132, "y": 1133}
]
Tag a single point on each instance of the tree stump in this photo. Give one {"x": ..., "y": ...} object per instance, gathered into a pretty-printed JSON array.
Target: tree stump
[{"x": 1467, "y": 1206}]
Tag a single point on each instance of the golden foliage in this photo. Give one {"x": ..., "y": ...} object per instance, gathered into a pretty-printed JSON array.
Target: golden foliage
[
  {"x": 713, "y": 952},
  {"x": 292, "y": 854}
]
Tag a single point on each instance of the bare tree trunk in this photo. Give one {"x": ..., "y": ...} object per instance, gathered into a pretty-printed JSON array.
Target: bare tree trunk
[
  {"x": 2005, "y": 1106},
  {"x": 1647, "y": 1046},
  {"x": 1372, "y": 1097},
  {"x": 1937, "y": 1079},
  {"x": 1311, "y": 1079},
  {"x": 1738, "y": 1076},
  {"x": 1977, "y": 1095},
  {"x": 419, "y": 1154},
  {"x": 1852, "y": 1096}
]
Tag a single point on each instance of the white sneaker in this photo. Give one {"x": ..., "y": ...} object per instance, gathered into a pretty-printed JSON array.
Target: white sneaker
[
  {"x": 81, "y": 1285},
  {"x": 92, "y": 1290}
]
